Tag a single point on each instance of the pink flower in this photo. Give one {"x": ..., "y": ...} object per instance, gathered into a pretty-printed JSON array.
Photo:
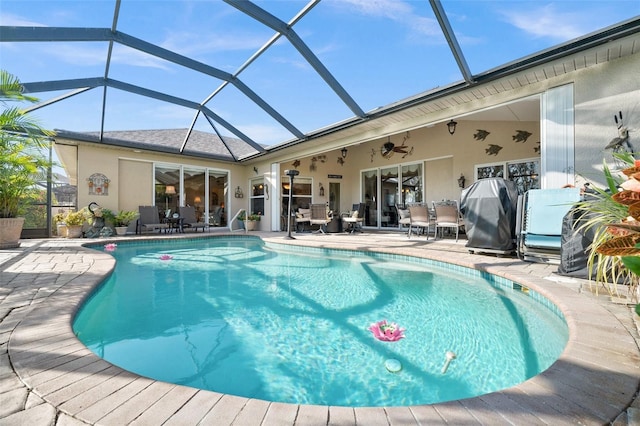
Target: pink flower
[
  {"x": 166, "y": 257},
  {"x": 110, "y": 246},
  {"x": 386, "y": 332}
]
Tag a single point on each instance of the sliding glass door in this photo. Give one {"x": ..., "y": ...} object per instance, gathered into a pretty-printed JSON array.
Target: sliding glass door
[
  {"x": 386, "y": 189},
  {"x": 204, "y": 189}
]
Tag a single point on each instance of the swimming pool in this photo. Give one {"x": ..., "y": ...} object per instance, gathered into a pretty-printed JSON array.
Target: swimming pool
[{"x": 237, "y": 316}]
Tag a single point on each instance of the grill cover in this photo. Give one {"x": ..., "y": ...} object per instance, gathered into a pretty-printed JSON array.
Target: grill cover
[{"x": 489, "y": 210}]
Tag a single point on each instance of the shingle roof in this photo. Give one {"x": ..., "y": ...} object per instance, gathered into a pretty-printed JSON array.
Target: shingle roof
[{"x": 198, "y": 143}]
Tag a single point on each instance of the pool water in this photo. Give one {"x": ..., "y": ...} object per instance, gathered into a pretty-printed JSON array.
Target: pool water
[{"x": 236, "y": 316}]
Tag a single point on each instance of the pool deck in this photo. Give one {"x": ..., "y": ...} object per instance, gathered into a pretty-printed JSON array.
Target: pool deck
[{"x": 48, "y": 377}]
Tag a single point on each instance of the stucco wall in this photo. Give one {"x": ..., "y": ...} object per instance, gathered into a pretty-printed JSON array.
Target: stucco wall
[
  {"x": 428, "y": 146},
  {"x": 132, "y": 179},
  {"x": 600, "y": 93}
]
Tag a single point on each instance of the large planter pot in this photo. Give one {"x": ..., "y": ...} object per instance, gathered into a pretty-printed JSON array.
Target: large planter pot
[
  {"x": 121, "y": 230},
  {"x": 10, "y": 230},
  {"x": 74, "y": 231},
  {"x": 61, "y": 229},
  {"x": 251, "y": 225}
]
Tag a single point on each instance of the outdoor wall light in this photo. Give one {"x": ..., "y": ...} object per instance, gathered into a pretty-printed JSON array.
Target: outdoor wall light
[
  {"x": 321, "y": 190},
  {"x": 461, "y": 180},
  {"x": 239, "y": 193},
  {"x": 451, "y": 125},
  {"x": 344, "y": 152}
]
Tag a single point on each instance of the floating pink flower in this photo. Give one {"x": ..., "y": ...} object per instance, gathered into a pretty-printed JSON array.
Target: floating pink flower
[
  {"x": 166, "y": 257},
  {"x": 387, "y": 332},
  {"x": 110, "y": 246}
]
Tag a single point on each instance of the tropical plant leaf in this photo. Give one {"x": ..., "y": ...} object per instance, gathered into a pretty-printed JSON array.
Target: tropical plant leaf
[
  {"x": 626, "y": 228},
  {"x": 630, "y": 171},
  {"x": 620, "y": 246},
  {"x": 626, "y": 197},
  {"x": 632, "y": 263},
  {"x": 611, "y": 181},
  {"x": 634, "y": 211}
]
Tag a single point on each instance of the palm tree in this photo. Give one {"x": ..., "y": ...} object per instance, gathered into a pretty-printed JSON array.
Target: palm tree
[
  {"x": 23, "y": 162},
  {"x": 22, "y": 141}
]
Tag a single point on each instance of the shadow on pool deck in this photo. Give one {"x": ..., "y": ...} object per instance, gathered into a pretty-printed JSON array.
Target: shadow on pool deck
[{"x": 48, "y": 377}]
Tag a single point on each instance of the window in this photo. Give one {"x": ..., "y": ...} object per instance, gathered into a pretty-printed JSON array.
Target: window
[
  {"x": 256, "y": 201},
  {"x": 525, "y": 173},
  {"x": 301, "y": 194},
  {"x": 484, "y": 171}
]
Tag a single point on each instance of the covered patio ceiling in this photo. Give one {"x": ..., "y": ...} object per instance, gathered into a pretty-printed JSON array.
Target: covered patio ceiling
[{"x": 235, "y": 80}]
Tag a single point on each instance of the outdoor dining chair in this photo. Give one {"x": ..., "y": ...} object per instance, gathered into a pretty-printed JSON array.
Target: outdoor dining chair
[
  {"x": 420, "y": 219},
  {"x": 319, "y": 216},
  {"x": 447, "y": 216}
]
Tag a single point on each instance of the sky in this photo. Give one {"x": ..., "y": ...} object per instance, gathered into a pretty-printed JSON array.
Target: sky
[{"x": 379, "y": 51}]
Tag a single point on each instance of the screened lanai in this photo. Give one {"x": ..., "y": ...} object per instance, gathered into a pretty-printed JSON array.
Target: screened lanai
[{"x": 226, "y": 95}]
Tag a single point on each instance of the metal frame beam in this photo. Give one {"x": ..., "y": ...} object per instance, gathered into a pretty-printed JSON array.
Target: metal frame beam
[
  {"x": 286, "y": 30},
  {"x": 441, "y": 16}
]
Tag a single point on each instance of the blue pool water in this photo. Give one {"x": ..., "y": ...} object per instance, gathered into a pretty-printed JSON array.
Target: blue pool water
[{"x": 288, "y": 324}]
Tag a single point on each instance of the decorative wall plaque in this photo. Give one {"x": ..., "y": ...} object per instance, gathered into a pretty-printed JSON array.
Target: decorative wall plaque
[{"x": 98, "y": 184}]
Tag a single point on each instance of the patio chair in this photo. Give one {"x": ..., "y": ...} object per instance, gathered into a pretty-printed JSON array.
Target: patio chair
[
  {"x": 355, "y": 218},
  {"x": 319, "y": 216},
  {"x": 215, "y": 216},
  {"x": 420, "y": 219},
  {"x": 149, "y": 219},
  {"x": 404, "y": 217},
  {"x": 539, "y": 223},
  {"x": 303, "y": 216},
  {"x": 447, "y": 216},
  {"x": 188, "y": 215}
]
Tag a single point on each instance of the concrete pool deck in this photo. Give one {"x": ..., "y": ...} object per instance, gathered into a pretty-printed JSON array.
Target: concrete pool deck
[{"x": 48, "y": 377}]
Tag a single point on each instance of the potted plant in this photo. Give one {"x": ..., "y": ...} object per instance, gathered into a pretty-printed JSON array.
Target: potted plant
[
  {"x": 252, "y": 221},
  {"x": 122, "y": 219},
  {"x": 22, "y": 147},
  {"x": 242, "y": 217},
  {"x": 61, "y": 227},
  {"x": 74, "y": 222}
]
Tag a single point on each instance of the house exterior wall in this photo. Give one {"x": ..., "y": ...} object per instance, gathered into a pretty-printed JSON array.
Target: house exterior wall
[{"x": 131, "y": 175}]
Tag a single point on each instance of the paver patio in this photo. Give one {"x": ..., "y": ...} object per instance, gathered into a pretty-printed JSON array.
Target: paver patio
[{"x": 49, "y": 377}]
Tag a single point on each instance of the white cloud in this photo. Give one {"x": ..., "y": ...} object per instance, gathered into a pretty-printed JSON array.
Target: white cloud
[
  {"x": 10, "y": 20},
  {"x": 129, "y": 56},
  {"x": 548, "y": 22},
  {"x": 398, "y": 11},
  {"x": 265, "y": 134},
  {"x": 381, "y": 8},
  {"x": 188, "y": 43}
]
